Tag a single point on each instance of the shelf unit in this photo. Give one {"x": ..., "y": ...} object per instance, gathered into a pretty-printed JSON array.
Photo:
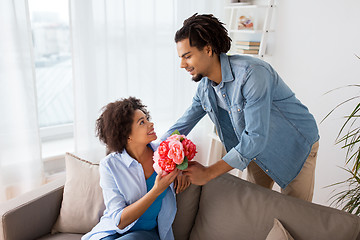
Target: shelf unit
[{"x": 262, "y": 14}]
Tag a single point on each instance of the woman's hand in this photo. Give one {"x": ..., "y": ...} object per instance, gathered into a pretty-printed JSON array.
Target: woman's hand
[
  {"x": 136, "y": 209},
  {"x": 181, "y": 183},
  {"x": 162, "y": 182}
]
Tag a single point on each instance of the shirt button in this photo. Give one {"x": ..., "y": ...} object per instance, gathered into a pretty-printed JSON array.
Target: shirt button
[
  {"x": 238, "y": 109},
  {"x": 254, "y": 159},
  {"x": 229, "y": 112},
  {"x": 223, "y": 95},
  {"x": 204, "y": 108},
  {"x": 267, "y": 170},
  {"x": 235, "y": 129}
]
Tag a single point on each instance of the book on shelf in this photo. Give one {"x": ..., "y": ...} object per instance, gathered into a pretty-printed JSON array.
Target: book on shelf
[
  {"x": 248, "y": 43},
  {"x": 247, "y": 51},
  {"x": 247, "y": 47}
]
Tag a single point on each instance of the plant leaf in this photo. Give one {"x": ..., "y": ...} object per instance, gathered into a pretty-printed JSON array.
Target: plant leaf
[
  {"x": 184, "y": 164},
  {"x": 176, "y": 132},
  {"x": 348, "y": 100}
]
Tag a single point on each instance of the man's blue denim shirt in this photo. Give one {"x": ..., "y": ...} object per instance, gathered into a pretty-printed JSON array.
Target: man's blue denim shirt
[{"x": 265, "y": 122}]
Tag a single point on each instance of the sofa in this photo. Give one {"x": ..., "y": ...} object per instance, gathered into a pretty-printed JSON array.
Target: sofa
[{"x": 225, "y": 208}]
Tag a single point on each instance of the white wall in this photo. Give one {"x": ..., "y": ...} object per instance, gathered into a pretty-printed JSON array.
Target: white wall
[{"x": 313, "y": 51}]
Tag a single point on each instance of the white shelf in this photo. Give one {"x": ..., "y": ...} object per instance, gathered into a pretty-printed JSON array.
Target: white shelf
[
  {"x": 236, "y": 53},
  {"x": 251, "y": 31},
  {"x": 246, "y": 31},
  {"x": 261, "y": 16},
  {"x": 215, "y": 137},
  {"x": 248, "y": 6}
]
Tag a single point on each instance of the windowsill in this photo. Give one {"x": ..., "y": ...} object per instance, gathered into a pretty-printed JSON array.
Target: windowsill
[
  {"x": 53, "y": 154},
  {"x": 55, "y": 148}
]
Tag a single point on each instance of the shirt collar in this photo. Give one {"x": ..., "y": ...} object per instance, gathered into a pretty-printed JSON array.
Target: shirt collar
[
  {"x": 125, "y": 158},
  {"x": 226, "y": 72},
  {"x": 128, "y": 160}
]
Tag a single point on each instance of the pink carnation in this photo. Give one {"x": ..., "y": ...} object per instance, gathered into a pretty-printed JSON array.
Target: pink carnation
[
  {"x": 156, "y": 156},
  {"x": 158, "y": 169},
  {"x": 163, "y": 149},
  {"x": 167, "y": 164},
  {"x": 156, "y": 166},
  {"x": 176, "y": 152},
  {"x": 172, "y": 153},
  {"x": 189, "y": 148},
  {"x": 175, "y": 137}
]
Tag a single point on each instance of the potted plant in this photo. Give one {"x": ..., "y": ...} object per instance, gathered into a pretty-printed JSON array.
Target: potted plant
[{"x": 349, "y": 139}]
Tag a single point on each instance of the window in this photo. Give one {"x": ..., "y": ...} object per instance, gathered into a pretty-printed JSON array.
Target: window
[{"x": 53, "y": 67}]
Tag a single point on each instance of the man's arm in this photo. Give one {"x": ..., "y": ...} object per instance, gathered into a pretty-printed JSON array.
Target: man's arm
[{"x": 200, "y": 175}]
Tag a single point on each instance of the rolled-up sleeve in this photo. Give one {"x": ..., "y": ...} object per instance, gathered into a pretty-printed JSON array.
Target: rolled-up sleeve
[{"x": 257, "y": 94}]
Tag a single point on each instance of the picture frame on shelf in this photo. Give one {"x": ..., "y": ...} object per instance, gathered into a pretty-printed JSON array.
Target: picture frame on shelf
[{"x": 249, "y": 21}]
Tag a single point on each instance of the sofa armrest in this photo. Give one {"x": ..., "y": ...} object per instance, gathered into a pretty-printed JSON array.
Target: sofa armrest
[{"x": 32, "y": 214}]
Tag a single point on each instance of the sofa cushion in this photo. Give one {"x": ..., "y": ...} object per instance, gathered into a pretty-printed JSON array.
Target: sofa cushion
[
  {"x": 83, "y": 203},
  {"x": 231, "y": 208},
  {"x": 278, "y": 232},
  {"x": 62, "y": 236},
  {"x": 187, "y": 207}
]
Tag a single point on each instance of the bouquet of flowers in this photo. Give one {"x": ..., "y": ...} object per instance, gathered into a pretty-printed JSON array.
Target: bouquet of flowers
[{"x": 174, "y": 152}]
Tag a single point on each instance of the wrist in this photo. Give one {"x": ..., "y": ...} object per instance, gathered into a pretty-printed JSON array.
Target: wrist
[
  {"x": 154, "y": 192},
  {"x": 210, "y": 174},
  {"x": 218, "y": 169}
]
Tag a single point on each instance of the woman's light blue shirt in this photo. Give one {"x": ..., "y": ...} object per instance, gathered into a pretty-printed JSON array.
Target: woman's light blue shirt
[
  {"x": 148, "y": 220},
  {"x": 265, "y": 122},
  {"x": 123, "y": 182}
]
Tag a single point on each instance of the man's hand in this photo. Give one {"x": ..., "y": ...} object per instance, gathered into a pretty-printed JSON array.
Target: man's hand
[
  {"x": 200, "y": 175},
  {"x": 197, "y": 173},
  {"x": 181, "y": 183}
]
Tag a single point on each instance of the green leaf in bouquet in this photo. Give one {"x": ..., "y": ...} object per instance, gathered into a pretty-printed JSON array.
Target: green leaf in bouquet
[
  {"x": 176, "y": 132},
  {"x": 183, "y": 165}
]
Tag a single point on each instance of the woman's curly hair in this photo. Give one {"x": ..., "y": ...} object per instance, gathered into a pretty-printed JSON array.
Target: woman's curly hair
[
  {"x": 113, "y": 127},
  {"x": 202, "y": 30}
]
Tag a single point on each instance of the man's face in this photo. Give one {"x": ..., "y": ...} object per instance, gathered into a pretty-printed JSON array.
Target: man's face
[{"x": 195, "y": 61}]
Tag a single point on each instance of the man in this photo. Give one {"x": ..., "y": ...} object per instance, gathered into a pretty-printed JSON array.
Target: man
[{"x": 263, "y": 126}]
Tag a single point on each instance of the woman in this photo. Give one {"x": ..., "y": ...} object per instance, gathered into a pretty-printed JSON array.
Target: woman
[{"x": 139, "y": 203}]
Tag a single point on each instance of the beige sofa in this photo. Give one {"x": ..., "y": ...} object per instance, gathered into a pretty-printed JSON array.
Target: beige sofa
[{"x": 225, "y": 208}]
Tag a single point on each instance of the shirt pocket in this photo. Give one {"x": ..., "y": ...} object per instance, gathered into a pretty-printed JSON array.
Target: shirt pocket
[
  {"x": 206, "y": 106},
  {"x": 238, "y": 116},
  {"x": 208, "y": 109}
]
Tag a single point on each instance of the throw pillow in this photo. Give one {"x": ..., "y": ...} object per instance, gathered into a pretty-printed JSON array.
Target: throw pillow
[
  {"x": 278, "y": 232},
  {"x": 83, "y": 203}
]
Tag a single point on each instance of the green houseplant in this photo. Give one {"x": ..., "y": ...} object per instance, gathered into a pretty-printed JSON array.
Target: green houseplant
[{"x": 349, "y": 139}]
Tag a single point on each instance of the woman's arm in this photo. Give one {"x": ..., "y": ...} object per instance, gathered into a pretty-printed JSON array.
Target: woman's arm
[{"x": 135, "y": 210}]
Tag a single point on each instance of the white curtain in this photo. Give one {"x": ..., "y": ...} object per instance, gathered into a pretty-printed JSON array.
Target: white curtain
[
  {"x": 126, "y": 48},
  {"x": 20, "y": 149},
  {"x": 121, "y": 48}
]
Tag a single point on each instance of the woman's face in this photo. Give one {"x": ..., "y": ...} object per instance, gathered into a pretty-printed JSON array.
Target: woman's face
[{"x": 142, "y": 130}]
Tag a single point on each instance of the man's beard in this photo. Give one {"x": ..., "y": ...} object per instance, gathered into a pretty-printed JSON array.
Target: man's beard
[{"x": 197, "y": 77}]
